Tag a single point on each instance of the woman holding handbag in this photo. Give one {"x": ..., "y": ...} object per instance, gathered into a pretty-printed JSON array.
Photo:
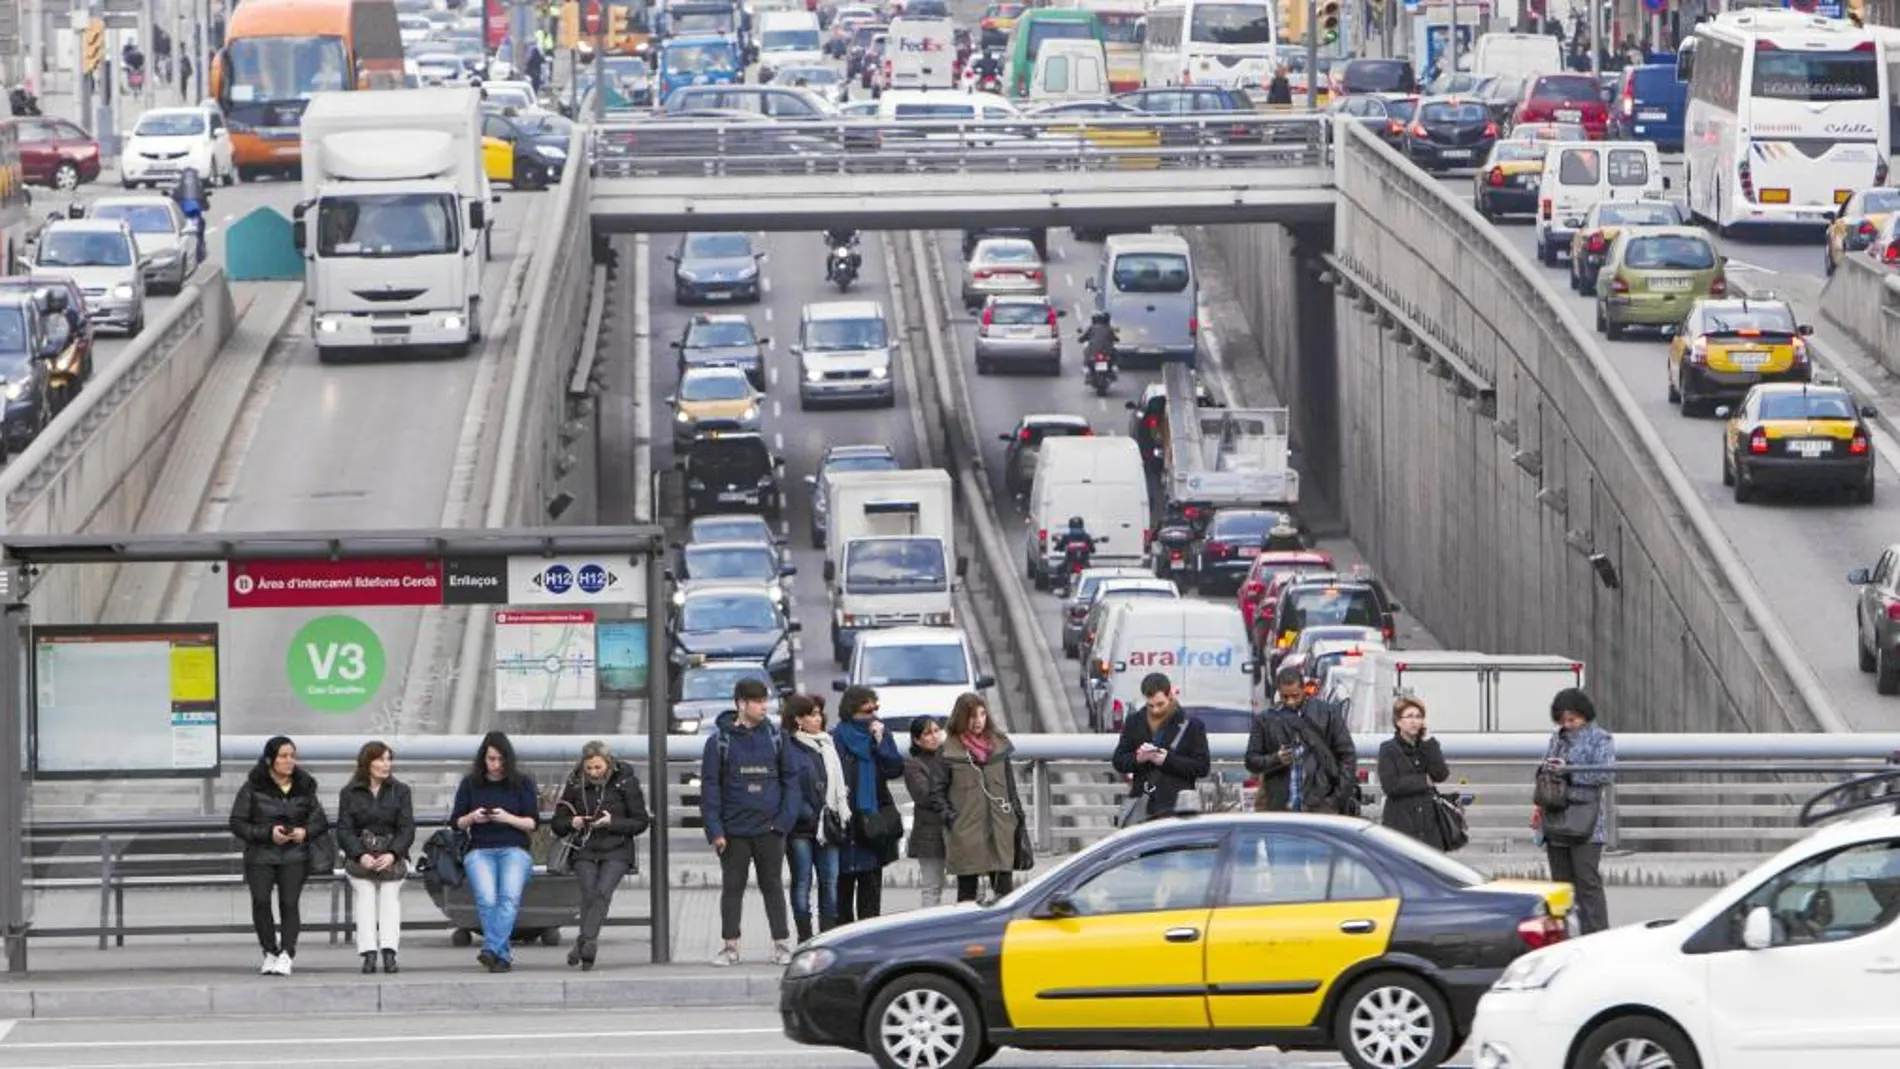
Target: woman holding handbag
[
  {"x": 601, "y": 812},
  {"x": 869, "y": 759},
  {"x": 982, "y": 841},
  {"x": 1411, "y": 765},
  {"x": 376, "y": 826},
  {"x": 1570, "y": 809}
]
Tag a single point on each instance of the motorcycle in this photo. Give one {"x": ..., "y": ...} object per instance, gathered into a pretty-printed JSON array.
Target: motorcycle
[
  {"x": 1075, "y": 560},
  {"x": 842, "y": 267},
  {"x": 1100, "y": 373},
  {"x": 22, "y": 102},
  {"x": 989, "y": 83},
  {"x": 1171, "y": 546}
]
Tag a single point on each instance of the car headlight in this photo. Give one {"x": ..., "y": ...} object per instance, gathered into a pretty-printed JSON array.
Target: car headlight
[
  {"x": 327, "y": 325},
  {"x": 814, "y": 375},
  {"x": 688, "y": 276},
  {"x": 453, "y": 322},
  {"x": 16, "y": 390},
  {"x": 1533, "y": 972},
  {"x": 688, "y": 727},
  {"x": 683, "y": 417},
  {"x": 881, "y": 372},
  {"x": 123, "y": 291},
  {"x": 750, "y": 414},
  {"x": 811, "y": 962},
  {"x": 554, "y": 152}
]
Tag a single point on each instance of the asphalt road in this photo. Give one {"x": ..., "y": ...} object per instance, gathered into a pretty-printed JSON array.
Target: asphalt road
[{"x": 1799, "y": 549}]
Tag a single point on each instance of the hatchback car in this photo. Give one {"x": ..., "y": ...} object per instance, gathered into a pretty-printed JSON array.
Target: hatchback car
[
  {"x": 735, "y": 621},
  {"x": 1264, "y": 568},
  {"x": 731, "y": 471},
  {"x": 102, "y": 256},
  {"x": 1318, "y": 599},
  {"x": 1590, "y": 245},
  {"x": 1002, "y": 266},
  {"x": 1385, "y": 115},
  {"x": 168, "y": 140},
  {"x": 1019, "y": 332},
  {"x": 1447, "y": 133},
  {"x": 1794, "y": 436},
  {"x": 1025, "y": 445},
  {"x": 1651, "y": 277},
  {"x": 168, "y": 246},
  {"x": 1095, "y": 583},
  {"x": 732, "y": 527},
  {"x": 1569, "y": 98},
  {"x": 54, "y": 152},
  {"x": 1152, "y": 940},
  {"x": 1858, "y": 222},
  {"x": 716, "y": 267},
  {"x": 31, "y": 340},
  {"x": 723, "y": 341},
  {"x": 758, "y": 562},
  {"x": 1727, "y": 345},
  {"x": 702, "y": 689},
  {"x": 714, "y": 399}
]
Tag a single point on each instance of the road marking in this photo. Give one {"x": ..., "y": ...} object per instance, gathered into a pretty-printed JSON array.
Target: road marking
[
  {"x": 771, "y": 377},
  {"x": 765, "y": 287},
  {"x": 1743, "y": 265},
  {"x": 1068, "y": 280},
  {"x": 768, "y": 313},
  {"x": 778, "y": 441},
  {"x": 776, "y": 410},
  {"x": 226, "y": 219},
  {"x": 326, "y": 1039}
]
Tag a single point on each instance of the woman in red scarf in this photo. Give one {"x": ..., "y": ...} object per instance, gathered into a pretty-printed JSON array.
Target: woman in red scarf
[{"x": 982, "y": 841}]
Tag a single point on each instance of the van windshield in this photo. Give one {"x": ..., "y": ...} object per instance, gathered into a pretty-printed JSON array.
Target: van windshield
[
  {"x": 1151, "y": 272},
  {"x": 844, "y": 335}
]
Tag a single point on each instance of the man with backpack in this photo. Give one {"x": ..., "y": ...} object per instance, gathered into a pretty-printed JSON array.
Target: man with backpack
[
  {"x": 748, "y": 797},
  {"x": 1302, "y": 750}
]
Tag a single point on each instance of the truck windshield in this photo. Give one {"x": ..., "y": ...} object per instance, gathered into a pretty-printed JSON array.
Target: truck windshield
[
  {"x": 272, "y": 69},
  {"x": 387, "y": 225},
  {"x": 894, "y": 566},
  {"x": 699, "y": 59}
]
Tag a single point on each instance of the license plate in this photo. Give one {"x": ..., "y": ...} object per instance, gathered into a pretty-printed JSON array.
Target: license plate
[
  {"x": 733, "y": 495},
  {"x": 718, "y": 295},
  {"x": 1668, "y": 285},
  {"x": 1456, "y": 154},
  {"x": 1101, "y": 365},
  {"x": 1021, "y": 332},
  {"x": 1811, "y": 447},
  {"x": 390, "y": 339},
  {"x": 1748, "y": 358},
  {"x": 1569, "y": 116},
  {"x": 1652, "y": 116}
]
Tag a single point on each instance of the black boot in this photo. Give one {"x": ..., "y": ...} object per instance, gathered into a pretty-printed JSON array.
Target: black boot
[
  {"x": 802, "y": 921},
  {"x": 574, "y": 952},
  {"x": 389, "y": 962},
  {"x": 369, "y": 963},
  {"x": 589, "y": 948},
  {"x": 827, "y": 922}
]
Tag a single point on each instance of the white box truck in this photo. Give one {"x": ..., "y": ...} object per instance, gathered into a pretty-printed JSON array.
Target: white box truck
[
  {"x": 1462, "y": 691},
  {"x": 890, "y": 553},
  {"x": 393, "y": 224}
]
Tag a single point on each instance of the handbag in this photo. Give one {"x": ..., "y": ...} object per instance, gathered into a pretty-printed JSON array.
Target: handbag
[
  {"x": 886, "y": 825},
  {"x": 375, "y": 842},
  {"x": 1452, "y": 828},
  {"x": 1025, "y": 854},
  {"x": 1576, "y": 823},
  {"x": 836, "y": 831},
  {"x": 442, "y": 856},
  {"x": 1551, "y": 790},
  {"x": 322, "y": 855}
]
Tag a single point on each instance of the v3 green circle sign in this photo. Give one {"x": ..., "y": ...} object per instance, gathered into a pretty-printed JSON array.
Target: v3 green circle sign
[{"x": 335, "y": 664}]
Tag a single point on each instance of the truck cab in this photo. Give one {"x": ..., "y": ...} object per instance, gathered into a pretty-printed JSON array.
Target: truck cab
[{"x": 890, "y": 553}]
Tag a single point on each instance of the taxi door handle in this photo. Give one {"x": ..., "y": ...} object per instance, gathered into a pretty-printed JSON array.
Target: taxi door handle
[
  {"x": 1884, "y": 965},
  {"x": 1182, "y": 935},
  {"x": 1358, "y": 927}
]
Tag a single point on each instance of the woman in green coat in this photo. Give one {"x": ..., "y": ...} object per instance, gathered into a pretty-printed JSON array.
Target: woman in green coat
[{"x": 982, "y": 840}]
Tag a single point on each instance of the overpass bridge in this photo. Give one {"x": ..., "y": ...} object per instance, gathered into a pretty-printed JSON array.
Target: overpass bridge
[{"x": 670, "y": 175}]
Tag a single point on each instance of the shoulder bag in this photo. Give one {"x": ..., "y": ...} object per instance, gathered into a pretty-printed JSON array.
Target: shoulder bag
[
  {"x": 1576, "y": 823},
  {"x": 1452, "y": 828},
  {"x": 375, "y": 842},
  {"x": 442, "y": 858},
  {"x": 1134, "y": 808},
  {"x": 1551, "y": 791},
  {"x": 1345, "y": 795}
]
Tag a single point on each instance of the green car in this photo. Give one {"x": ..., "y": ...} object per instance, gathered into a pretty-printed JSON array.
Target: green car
[{"x": 1653, "y": 275}]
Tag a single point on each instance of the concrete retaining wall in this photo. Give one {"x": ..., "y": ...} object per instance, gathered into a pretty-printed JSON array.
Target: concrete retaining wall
[
  {"x": 93, "y": 467},
  {"x": 1488, "y": 555},
  {"x": 1863, "y": 300}
]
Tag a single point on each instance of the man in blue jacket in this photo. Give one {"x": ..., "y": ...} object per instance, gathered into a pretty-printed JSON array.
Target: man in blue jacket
[{"x": 748, "y": 797}]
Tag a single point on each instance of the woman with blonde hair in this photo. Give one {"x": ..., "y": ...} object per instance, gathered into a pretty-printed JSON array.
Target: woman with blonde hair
[
  {"x": 1411, "y": 765},
  {"x": 603, "y": 810},
  {"x": 982, "y": 839},
  {"x": 376, "y": 826}
]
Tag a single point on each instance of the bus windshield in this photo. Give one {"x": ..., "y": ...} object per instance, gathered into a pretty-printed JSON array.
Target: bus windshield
[
  {"x": 699, "y": 59},
  {"x": 1120, "y": 27},
  {"x": 1816, "y": 77},
  {"x": 273, "y": 69},
  {"x": 1231, "y": 24},
  {"x": 1042, "y": 30}
]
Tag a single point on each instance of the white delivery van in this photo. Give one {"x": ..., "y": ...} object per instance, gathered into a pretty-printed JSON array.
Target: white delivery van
[
  {"x": 1462, "y": 692},
  {"x": 1099, "y": 479},
  {"x": 1069, "y": 69},
  {"x": 920, "y": 54},
  {"x": 1579, "y": 174},
  {"x": 788, "y": 39},
  {"x": 1517, "y": 55},
  {"x": 1200, "y": 646}
]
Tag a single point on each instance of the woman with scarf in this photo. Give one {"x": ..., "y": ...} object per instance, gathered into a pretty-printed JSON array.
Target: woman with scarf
[
  {"x": 280, "y": 820},
  {"x": 928, "y": 781},
  {"x": 824, "y": 809},
  {"x": 1411, "y": 765},
  {"x": 603, "y": 809},
  {"x": 982, "y": 841},
  {"x": 868, "y": 759}
]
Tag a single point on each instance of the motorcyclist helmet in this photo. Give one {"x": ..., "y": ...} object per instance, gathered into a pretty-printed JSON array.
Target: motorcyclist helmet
[
  {"x": 1076, "y": 526},
  {"x": 1100, "y": 319}
]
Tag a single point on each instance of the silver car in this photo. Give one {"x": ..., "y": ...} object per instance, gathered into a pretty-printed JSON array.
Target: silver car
[
  {"x": 840, "y": 458},
  {"x": 1094, "y": 582},
  {"x": 844, "y": 355},
  {"x": 1002, "y": 266},
  {"x": 102, "y": 258},
  {"x": 168, "y": 248},
  {"x": 1019, "y": 332}
]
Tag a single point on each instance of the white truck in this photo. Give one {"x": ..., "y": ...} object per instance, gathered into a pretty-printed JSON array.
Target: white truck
[
  {"x": 921, "y": 53},
  {"x": 1462, "y": 691},
  {"x": 393, "y": 225},
  {"x": 890, "y": 553},
  {"x": 1217, "y": 456}
]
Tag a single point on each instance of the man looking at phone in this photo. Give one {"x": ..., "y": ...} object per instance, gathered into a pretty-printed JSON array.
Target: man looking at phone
[
  {"x": 748, "y": 794},
  {"x": 1163, "y": 753},
  {"x": 1302, "y": 750}
]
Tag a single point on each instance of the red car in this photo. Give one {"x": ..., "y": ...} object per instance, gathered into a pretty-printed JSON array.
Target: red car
[
  {"x": 54, "y": 152},
  {"x": 1271, "y": 566},
  {"x": 1564, "y": 98}
]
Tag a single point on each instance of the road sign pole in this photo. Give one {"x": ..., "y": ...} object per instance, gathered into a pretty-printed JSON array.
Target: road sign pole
[
  {"x": 659, "y": 882},
  {"x": 13, "y": 870},
  {"x": 1312, "y": 55}
]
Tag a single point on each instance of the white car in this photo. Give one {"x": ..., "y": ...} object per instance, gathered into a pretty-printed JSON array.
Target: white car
[
  {"x": 168, "y": 140},
  {"x": 168, "y": 246},
  {"x": 1795, "y": 965},
  {"x": 439, "y": 68},
  {"x": 415, "y": 29},
  {"x": 519, "y": 95},
  {"x": 916, "y": 671}
]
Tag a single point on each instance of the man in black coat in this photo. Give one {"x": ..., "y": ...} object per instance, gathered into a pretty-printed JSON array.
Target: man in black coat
[
  {"x": 1165, "y": 751},
  {"x": 1302, "y": 750}
]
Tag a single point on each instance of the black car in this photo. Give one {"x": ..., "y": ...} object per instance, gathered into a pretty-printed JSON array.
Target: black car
[
  {"x": 1374, "y": 76},
  {"x": 32, "y": 339},
  {"x": 723, "y": 341},
  {"x": 1224, "y": 931},
  {"x": 749, "y": 561},
  {"x": 734, "y": 621},
  {"x": 1025, "y": 445},
  {"x": 1229, "y": 543},
  {"x": 1385, "y": 115},
  {"x": 731, "y": 471},
  {"x": 540, "y": 142},
  {"x": 840, "y": 458},
  {"x": 1448, "y": 132},
  {"x": 1330, "y": 598},
  {"x": 1199, "y": 102}
]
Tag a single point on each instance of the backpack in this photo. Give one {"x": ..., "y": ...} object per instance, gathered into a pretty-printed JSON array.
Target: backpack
[{"x": 723, "y": 741}]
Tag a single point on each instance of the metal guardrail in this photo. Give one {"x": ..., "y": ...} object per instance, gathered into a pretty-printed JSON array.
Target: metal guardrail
[{"x": 662, "y": 147}]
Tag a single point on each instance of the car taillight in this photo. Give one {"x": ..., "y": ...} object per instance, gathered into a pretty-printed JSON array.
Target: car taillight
[
  {"x": 1490, "y": 129},
  {"x": 1495, "y": 178},
  {"x": 1042, "y": 540},
  {"x": 1023, "y": 435},
  {"x": 1418, "y": 130},
  {"x": 1596, "y": 243},
  {"x": 1865, "y": 230},
  {"x": 1719, "y": 287},
  {"x": 1758, "y": 442},
  {"x": 980, "y": 273},
  {"x": 1052, "y": 318},
  {"x": 1217, "y": 549},
  {"x": 1191, "y": 513},
  {"x": 1543, "y": 208},
  {"x": 1893, "y": 612},
  {"x": 1542, "y": 930},
  {"x": 1034, "y": 276},
  {"x": 1699, "y": 352},
  {"x": 1087, "y": 432},
  {"x": 1892, "y": 253},
  {"x": 1116, "y": 712},
  {"x": 1151, "y": 422},
  {"x": 1147, "y": 539},
  {"x": 1858, "y": 446},
  {"x": 1254, "y": 590},
  {"x": 1629, "y": 105},
  {"x": 1194, "y": 325},
  {"x": 1617, "y": 285},
  {"x": 1800, "y": 351},
  {"x": 1394, "y": 127},
  {"x": 989, "y": 315}
]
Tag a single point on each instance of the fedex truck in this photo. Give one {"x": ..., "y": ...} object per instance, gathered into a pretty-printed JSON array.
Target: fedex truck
[
  {"x": 920, "y": 54},
  {"x": 1200, "y": 646}
]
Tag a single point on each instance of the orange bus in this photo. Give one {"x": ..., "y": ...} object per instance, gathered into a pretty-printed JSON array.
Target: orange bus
[{"x": 277, "y": 53}]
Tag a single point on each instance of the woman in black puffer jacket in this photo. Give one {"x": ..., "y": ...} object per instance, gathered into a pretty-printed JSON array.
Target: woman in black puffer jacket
[
  {"x": 280, "y": 820},
  {"x": 603, "y": 807}
]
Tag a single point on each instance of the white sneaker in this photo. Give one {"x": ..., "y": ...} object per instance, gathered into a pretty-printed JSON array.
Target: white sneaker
[
  {"x": 726, "y": 956},
  {"x": 269, "y": 968},
  {"x": 283, "y": 964},
  {"x": 781, "y": 953}
]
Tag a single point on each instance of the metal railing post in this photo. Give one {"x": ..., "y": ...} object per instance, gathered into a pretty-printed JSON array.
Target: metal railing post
[{"x": 1045, "y": 806}]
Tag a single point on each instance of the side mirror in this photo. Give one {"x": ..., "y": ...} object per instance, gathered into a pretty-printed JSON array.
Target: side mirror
[
  {"x": 1722, "y": 411},
  {"x": 477, "y": 216},
  {"x": 1758, "y": 931},
  {"x": 788, "y": 570},
  {"x": 1860, "y": 577},
  {"x": 1806, "y": 330},
  {"x": 985, "y": 682},
  {"x": 796, "y": 350},
  {"x": 765, "y": 343},
  {"x": 1869, "y": 412},
  {"x": 669, "y": 400},
  {"x": 779, "y": 463},
  {"x": 1058, "y": 907},
  {"x": 838, "y": 685},
  {"x": 1667, "y": 183},
  {"x": 1088, "y": 284},
  {"x": 1131, "y": 406},
  {"x": 1723, "y": 260},
  {"x": 1006, "y": 437},
  {"x": 1395, "y": 608},
  {"x": 1670, "y": 330},
  {"x": 963, "y": 566},
  {"x": 793, "y": 627},
  {"x": 672, "y": 257},
  {"x": 831, "y": 572},
  {"x": 679, "y": 465},
  {"x": 677, "y": 345},
  {"x": 1062, "y": 313},
  {"x": 667, "y": 574}
]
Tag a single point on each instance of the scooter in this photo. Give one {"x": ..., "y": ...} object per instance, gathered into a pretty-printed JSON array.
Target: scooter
[
  {"x": 1075, "y": 560},
  {"x": 1100, "y": 373},
  {"x": 1171, "y": 546},
  {"x": 842, "y": 266}
]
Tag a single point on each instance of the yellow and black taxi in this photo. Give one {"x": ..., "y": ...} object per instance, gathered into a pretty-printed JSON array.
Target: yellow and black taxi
[
  {"x": 1858, "y": 221},
  {"x": 714, "y": 399},
  {"x": 1219, "y": 931},
  {"x": 526, "y": 149},
  {"x": 1798, "y": 436},
  {"x": 1727, "y": 344},
  {"x": 1506, "y": 183},
  {"x": 1590, "y": 245},
  {"x": 1652, "y": 275}
]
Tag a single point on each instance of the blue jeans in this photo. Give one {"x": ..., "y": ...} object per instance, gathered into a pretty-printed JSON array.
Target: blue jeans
[
  {"x": 496, "y": 876},
  {"x": 804, "y": 856}
]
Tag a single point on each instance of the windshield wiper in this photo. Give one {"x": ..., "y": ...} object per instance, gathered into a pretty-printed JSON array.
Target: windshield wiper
[{"x": 920, "y": 682}]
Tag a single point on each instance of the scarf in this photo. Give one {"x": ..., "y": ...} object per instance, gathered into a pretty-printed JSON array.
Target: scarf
[
  {"x": 837, "y": 799},
  {"x": 854, "y": 738},
  {"x": 979, "y": 747}
]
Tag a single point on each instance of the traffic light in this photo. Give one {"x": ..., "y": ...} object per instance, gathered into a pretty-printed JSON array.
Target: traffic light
[
  {"x": 616, "y": 25},
  {"x": 569, "y": 34},
  {"x": 1329, "y": 21},
  {"x": 94, "y": 46}
]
